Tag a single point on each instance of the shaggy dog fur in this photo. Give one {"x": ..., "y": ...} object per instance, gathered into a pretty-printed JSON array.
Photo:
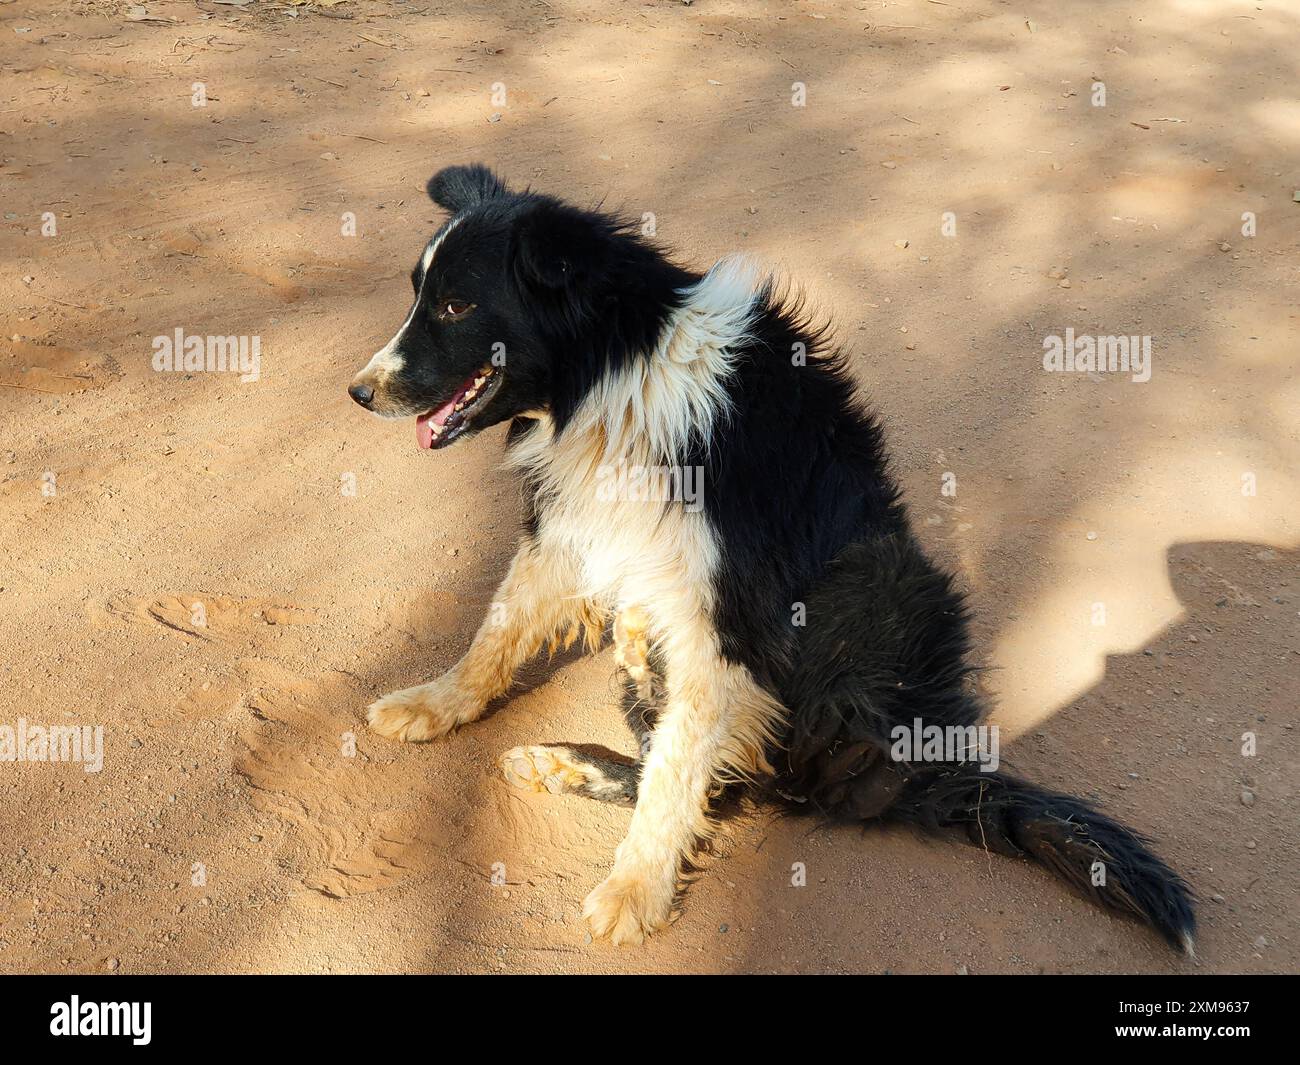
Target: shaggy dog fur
[{"x": 700, "y": 471}]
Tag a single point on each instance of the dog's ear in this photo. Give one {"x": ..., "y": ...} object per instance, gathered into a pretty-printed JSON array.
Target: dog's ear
[
  {"x": 456, "y": 187},
  {"x": 555, "y": 244}
]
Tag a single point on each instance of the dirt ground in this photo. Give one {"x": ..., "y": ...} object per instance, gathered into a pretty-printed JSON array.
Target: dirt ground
[{"x": 223, "y": 573}]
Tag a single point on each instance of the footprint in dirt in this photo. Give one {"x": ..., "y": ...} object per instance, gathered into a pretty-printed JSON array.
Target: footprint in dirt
[
  {"x": 302, "y": 752},
  {"x": 202, "y": 616}
]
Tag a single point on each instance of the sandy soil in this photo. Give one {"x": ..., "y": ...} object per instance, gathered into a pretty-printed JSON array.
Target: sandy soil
[{"x": 128, "y": 496}]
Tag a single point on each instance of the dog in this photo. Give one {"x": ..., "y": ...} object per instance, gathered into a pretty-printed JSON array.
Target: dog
[{"x": 777, "y": 627}]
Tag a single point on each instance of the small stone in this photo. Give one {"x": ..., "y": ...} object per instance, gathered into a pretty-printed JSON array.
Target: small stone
[
  {"x": 962, "y": 971},
  {"x": 1063, "y": 283},
  {"x": 1247, "y": 797},
  {"x": 135, "y": 742},
  {"x": 1092, "y": 536},
  {"x": 496, "y": 117},
  {"x": 888, "y": 165},
  {"x": 1216, "y": 897},
  {"x": 1225, "y": 246},
  {"x": 1056, "y": 273},
  {"x": 722, "y": 928},
  {"x": 254, "y": 839},
  {"x": 113, "y": 965},
  {"x": 901, "y": 243}
]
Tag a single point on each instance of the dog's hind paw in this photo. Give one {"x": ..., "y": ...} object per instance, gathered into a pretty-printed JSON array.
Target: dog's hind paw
[
  {"x": 550, "y": 769},
  {"x": 625, "y": 909},
  {"x": 566, "y": 771},
  {"x": 425, "y": 712}
]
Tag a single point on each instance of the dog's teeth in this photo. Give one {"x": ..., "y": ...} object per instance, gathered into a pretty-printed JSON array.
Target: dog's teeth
[
  {"x": 460, "y": 406},
  {"x": 436, "y": 430},
  {"x": 478, "y": 382},
  {"x": 471, "y": 394}
]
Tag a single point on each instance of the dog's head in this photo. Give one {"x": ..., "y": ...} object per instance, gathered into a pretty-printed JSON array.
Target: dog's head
[{"x": 501, "y": 292}]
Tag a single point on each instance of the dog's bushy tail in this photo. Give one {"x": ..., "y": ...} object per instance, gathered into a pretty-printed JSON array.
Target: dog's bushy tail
[{"x": 1104, "y": 860}]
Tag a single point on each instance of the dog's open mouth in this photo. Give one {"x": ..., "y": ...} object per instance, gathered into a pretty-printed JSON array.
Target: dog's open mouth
[{"x": 438, "y": 428}]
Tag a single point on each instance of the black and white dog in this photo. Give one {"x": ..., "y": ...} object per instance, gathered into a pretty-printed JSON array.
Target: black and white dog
[{"x": 777, "y": 626}]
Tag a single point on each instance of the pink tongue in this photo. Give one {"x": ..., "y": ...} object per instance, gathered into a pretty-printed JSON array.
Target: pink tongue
[{"x": 423, "y": 430}]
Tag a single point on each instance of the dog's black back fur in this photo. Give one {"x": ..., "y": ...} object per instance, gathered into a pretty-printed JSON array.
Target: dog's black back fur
[{"x": 800, "y": 491}]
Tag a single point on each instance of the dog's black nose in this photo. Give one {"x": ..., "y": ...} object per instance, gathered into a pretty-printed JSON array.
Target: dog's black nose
[{"x": 363, "y": 394}]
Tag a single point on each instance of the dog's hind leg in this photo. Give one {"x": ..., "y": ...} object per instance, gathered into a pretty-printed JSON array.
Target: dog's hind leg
[
  {"x": 534, "y": 603},
  {"x": 596, "y": 772},
  {"x": 643, "y": 692}
]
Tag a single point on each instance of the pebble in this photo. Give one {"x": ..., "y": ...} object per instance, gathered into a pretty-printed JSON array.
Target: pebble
[
  {"x": 1247, "y": 797},
  {"x": 113, "y": 964}
]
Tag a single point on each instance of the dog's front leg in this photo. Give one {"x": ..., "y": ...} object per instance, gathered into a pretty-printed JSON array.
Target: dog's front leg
[
  {"x": 534, "y": 601},
  {"x": 714, "y": 725}
]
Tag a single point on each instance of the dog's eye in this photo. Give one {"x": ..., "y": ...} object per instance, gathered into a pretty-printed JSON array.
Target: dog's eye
[{"x": 450, "y": 309}]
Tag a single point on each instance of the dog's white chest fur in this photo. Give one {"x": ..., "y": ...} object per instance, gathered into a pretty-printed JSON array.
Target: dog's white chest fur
[
  {"x": 625, "y": 549},
  {"x": 604, "y": 479}
]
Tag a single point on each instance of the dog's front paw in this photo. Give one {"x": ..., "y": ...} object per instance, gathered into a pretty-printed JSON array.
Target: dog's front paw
[
  {"x": 422, "y": 713},
  {"x": 625, "y": 909}
]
